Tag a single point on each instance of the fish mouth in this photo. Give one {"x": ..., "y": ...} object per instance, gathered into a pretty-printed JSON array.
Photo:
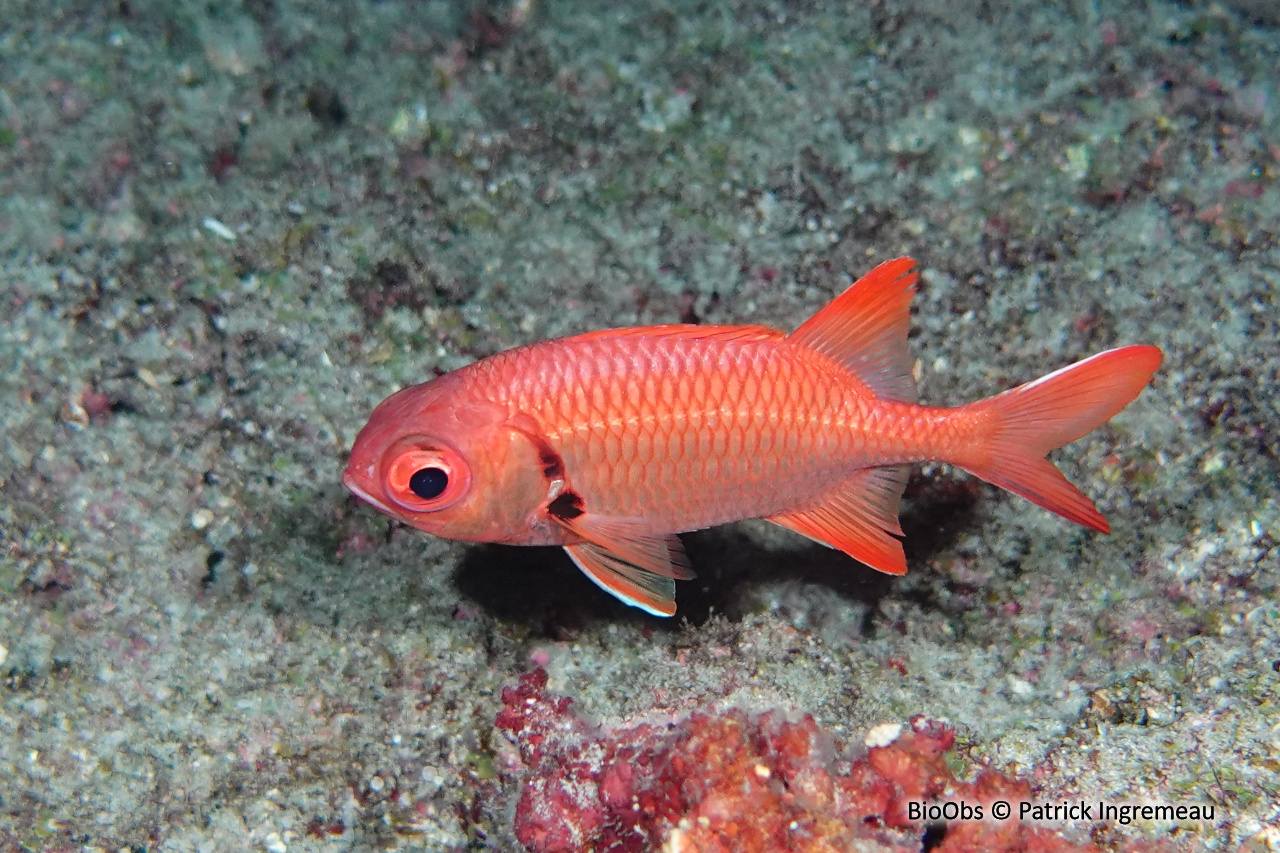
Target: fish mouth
[{"x": 349, "y": 481}]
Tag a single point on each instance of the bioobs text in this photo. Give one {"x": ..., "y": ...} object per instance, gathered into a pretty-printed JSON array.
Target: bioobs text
[{"x": 950, "y": 810}]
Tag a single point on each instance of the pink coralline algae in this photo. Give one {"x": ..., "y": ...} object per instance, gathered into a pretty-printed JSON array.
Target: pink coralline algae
[{"x": 734, "y": 782}]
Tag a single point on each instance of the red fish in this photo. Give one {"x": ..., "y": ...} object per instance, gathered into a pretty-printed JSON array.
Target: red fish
[{"x": 612, "y": 442}]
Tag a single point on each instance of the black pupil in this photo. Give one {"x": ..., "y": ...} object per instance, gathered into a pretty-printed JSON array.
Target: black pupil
[{"x": 428, "y": 483}]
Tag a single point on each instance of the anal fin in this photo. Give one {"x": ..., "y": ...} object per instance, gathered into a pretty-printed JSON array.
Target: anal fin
[{"x": 858, "y": 518}]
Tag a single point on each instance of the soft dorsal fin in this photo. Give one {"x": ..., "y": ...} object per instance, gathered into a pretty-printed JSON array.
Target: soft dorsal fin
[
  {"x": 865, "y": 329},
  {"x": 858, "y": 517}
]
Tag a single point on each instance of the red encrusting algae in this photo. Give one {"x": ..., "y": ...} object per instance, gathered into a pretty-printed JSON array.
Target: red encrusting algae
[{"x": 735, "y": 782}]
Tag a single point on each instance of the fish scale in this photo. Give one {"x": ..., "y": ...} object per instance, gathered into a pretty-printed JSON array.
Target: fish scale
[{"x": 734, "y": 426}]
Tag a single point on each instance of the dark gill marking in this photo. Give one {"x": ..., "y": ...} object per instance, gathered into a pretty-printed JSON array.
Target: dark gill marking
[{"x": 566, "y": 507}]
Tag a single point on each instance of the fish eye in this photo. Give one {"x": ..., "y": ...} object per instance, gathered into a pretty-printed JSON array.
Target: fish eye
[
  {"x": 424, "y": 479},
  {"x": 428, "y": 483}
]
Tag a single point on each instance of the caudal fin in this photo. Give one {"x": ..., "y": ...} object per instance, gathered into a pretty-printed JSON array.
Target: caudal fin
[{"x": 1030, "y": 420}]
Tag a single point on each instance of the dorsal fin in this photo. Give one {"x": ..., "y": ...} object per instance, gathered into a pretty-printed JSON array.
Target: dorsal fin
[
  {"x": 865, "y": 329},
  {"x": 686, "y": 331}
]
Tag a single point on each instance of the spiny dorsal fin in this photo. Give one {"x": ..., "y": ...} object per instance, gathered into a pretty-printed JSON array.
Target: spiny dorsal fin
[
  {"x": 685, "y": 331},
  {"x": 865, "y": 329}
]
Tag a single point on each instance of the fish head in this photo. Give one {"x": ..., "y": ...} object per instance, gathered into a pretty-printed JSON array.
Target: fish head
[{"x": 448, "y": 463}]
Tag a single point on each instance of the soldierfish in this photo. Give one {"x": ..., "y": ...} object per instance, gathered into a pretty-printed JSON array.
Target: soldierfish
[{"x": 612, "y": 442}]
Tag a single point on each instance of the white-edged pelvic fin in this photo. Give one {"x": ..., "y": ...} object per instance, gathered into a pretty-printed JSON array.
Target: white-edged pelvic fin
[
  {"x": 630, "y": 584},
  {"x": 633, "y": 541},
  {"x": 626, "y": 557}
]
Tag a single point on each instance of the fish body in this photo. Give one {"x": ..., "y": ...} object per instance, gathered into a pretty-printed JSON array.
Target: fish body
[{"x": 612, "y": 442}]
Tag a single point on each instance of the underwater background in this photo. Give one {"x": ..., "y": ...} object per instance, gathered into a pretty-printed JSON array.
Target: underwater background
[{"x": 229, "y": 229}]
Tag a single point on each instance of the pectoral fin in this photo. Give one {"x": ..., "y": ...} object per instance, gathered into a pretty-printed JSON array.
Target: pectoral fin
[{"x": 626, "y": 558}]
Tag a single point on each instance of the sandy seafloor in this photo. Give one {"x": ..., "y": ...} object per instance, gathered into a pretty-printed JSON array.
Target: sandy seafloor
[{"x": 230, "y": 229}]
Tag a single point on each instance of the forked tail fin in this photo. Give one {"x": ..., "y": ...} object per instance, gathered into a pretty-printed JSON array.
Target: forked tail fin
[{"x": 1028, "y": 421}]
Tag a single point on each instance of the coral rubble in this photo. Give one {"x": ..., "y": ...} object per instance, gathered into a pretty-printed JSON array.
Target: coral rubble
[{"x": 733, "y": 781}]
